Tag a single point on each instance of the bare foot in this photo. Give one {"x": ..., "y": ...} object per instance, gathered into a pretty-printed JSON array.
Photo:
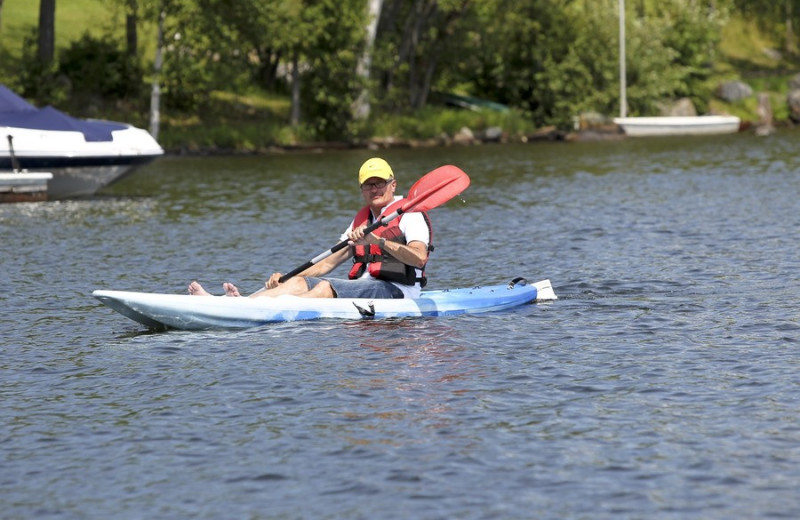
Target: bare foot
[
  {"x": 230, "y": 289},
  {"x": 195, "y": 289}
]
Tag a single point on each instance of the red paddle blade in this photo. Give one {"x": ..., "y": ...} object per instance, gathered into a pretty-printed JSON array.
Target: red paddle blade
[{"x": 435, "y": 188}]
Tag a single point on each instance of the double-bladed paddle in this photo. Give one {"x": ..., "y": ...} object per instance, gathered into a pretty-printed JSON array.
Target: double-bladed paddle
[{"x": 432, "y": 190}]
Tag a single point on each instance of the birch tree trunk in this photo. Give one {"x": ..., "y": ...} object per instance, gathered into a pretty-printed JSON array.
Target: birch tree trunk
[
  {"x": 155, "y": 94},
  {"x": 361, "y": 107},
  {"x": 295, "y": 115}
]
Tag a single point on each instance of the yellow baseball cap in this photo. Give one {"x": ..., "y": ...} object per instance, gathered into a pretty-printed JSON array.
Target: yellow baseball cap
[{"x": 375, "y": 167}]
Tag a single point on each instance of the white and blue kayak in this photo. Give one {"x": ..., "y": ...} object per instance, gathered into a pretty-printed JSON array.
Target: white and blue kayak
[{"x": 188, "y": 312}]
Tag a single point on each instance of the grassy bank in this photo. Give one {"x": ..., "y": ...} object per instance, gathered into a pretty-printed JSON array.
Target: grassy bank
[
  {"x": 257, "y": 123},
  {"x": 74, "y": 18}
]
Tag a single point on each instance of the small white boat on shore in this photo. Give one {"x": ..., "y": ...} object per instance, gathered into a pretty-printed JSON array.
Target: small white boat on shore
[
  {"x": 83, "y": 155},
  {"x": 678, "y": 125},
  {"x": 663, "y": 125}
]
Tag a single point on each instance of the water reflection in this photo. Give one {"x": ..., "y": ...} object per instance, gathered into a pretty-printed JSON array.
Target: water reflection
[{"x": 405, "y": 385}]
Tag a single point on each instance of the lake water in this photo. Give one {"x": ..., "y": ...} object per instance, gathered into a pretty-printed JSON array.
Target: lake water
[{"x": 664, "y": 383}]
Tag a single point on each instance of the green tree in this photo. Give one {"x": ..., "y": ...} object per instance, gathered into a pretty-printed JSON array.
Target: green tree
[
  {"x": 550, "y": 62},
  {"x": 197, "y": 60},
  {"x": 417, "y": 42},
  {"x": 783, "y": 14},
  {"x": 555, "y": 63},
  {"x": 305, "y": 48},
  {"x": 330, "y": 85}
]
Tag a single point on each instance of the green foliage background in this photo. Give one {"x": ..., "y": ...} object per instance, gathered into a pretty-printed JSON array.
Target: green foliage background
[{"x": 226, "y": 80}]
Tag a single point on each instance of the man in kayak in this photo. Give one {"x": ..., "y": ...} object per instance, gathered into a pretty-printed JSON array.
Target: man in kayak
[{"x": 387, "y": 263}]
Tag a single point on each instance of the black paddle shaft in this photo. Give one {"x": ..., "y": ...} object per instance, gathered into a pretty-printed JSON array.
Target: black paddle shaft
[{"x": 341, "y": 245}]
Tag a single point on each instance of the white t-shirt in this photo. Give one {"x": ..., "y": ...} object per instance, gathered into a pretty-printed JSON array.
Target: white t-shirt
[{"x": 415, "y": 229}]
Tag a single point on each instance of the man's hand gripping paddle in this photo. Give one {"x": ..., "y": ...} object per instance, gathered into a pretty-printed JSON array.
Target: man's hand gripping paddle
[{"x": 432, "y": 190}]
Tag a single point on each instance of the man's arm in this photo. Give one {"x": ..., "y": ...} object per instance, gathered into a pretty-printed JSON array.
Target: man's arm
[
  {"x": 414, "y": 253},
  {"x": 323, "y": 267},
  {"x": 328, "y": 264}
]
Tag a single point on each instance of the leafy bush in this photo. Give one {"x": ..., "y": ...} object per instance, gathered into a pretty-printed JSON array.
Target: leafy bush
[
  {"x": 37, "y": 82},
  {"x": 100, "y": 67}
]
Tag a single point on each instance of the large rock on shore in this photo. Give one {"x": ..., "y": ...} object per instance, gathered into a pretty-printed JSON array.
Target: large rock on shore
[
  {"x": 734, "y": 91},
  {"x": 682, "y": 108},
  {"x": 794, "y": 83},
  {"x": 794, "y": 105}
]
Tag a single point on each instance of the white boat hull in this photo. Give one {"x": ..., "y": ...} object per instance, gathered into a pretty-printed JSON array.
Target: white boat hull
[
  {"x": 207, "y": 312},
  {"x": 684, "y": 125}
]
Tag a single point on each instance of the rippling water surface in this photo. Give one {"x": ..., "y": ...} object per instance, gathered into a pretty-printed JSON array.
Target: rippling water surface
[{"x": 664, "y": 383}]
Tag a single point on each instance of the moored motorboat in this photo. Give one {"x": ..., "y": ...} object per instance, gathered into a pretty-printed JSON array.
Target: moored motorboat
[
  {"x": 188, "y": 312},
  {"x": 83, "y": 155}
]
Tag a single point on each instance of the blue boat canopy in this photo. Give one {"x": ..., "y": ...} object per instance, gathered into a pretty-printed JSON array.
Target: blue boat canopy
[{"x": 16, "y": 112}]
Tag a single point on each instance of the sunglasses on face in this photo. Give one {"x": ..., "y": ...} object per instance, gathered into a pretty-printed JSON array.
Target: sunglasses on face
[{"x": 378, "y": 185}]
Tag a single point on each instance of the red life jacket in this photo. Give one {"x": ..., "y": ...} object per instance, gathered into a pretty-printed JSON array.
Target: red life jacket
[{"x": 382, "y": 265}]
